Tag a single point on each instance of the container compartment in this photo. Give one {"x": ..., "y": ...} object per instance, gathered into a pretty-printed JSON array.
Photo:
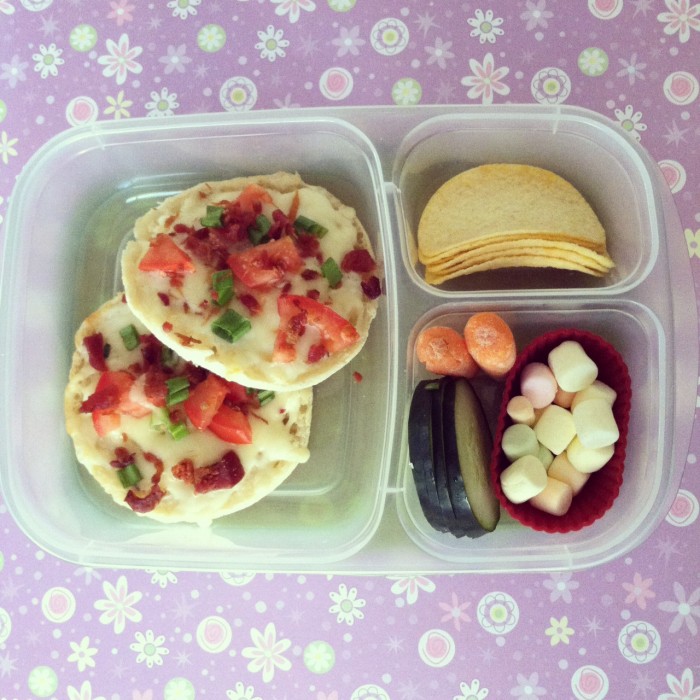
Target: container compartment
[
  {"x": 64, "y": 239},
  {"x": 600, "y": 163}
]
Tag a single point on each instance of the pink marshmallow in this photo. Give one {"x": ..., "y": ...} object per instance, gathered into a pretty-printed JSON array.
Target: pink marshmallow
[{"x": 537, "y": 383}]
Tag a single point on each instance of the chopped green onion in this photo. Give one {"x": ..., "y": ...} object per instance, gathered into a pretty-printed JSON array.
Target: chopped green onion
[
  {"x": 178, "y": 390},
  {"x": 130, "y": 337},
  {"x": 178, "y": 430},
  {"x": 222, "y": 286},
  {"x": 213, "y": 216},
  {"x": 129, "y": 475},
  {"x": 332, "y": 272},
  {"x": 265, "y": 396},
  {"x": 311, "y": 226},
  {"x": 231, "y": 326},
  {"x": 168, "y": 358},
  {"x": 160, "y": 420},
  {"x": 258, "y": 233}
]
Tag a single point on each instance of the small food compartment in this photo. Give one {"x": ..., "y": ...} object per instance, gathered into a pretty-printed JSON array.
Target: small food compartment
[
  {"x": 72, "y": 211},
  {"x": 600, "y": 163},
  {"x": 637, "y": 335}
]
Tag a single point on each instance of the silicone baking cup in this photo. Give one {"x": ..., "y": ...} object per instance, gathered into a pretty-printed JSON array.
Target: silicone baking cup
[{"x": 603, "y": 486}]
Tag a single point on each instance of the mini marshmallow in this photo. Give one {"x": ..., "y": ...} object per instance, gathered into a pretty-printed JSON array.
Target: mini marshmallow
[
  {"x": 587, "y": 459},
  {"x": 571, "y": 366},
  {"x": 595, "y": 423},
  {"x": 520, "y": 410},
  {"x": 597, "y": 390},
  {"x": 563, "y": 470},
  {"x": 523, "y": 479},
  {"x": 564, "y": 398},
  {"x": 519, "y": 440},
  {"x": 545, "y": 456},
  {"x": 555, "y": 428},
  {"x": 538, "y": 384},
  {"x": 555, "y": 498}
]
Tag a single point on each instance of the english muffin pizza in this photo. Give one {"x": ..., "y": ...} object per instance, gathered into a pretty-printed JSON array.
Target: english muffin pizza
[
  {"x": 168, "y": 439},
  {"x": 266, "y": 280}
]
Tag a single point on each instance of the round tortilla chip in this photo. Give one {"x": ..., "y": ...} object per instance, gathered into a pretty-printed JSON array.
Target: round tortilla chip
[
  {"x": 281, "y": 430},
  {"x": 184, "y": 323},
  {"x": 503, "y": 201}
]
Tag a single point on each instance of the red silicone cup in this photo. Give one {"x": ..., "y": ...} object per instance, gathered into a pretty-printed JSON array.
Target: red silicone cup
[{"x": 603, "y": 486}]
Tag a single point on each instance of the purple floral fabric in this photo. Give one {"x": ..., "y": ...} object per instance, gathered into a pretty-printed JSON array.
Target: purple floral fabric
[{"x": 628, "y": 629}]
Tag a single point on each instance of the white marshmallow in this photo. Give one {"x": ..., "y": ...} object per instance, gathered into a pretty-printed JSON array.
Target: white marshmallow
[
  {"x": 520, "y": 410},
  {"x": 563, "y": 470},
  {"x": 555, "y": 428},
  {"x": 555, "y": 498},
  {"x": 564, "y": 398},
  {"x": 595, "y": 423},
  {"x": 545, "y": 456},
  {"x": 597, "y": 390},
  {"x": 523, "y": 479},
  {"x": 519, "y": 440},
  {"x": 587, "y": 459},
  {"x": 571, "y": 366}
]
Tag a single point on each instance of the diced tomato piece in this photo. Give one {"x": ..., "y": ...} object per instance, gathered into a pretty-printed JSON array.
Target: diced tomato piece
[
  {"x": 95, "y": 347},
  {"x": 296, "y": 312},
  {"x": 205, "y": 400},
  {"x": 266, "y": 265},
  {"x": 231, "y": 425},
  {"x": 105, "y": 422},
  {"x": 166, "y": 257},
  {"x": 251, "y": 196}
]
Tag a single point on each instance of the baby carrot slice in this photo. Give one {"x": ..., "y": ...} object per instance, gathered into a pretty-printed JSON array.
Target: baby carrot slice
[
  {"x": 490, "y": 342},
  {"x": 444, "y": 351}
]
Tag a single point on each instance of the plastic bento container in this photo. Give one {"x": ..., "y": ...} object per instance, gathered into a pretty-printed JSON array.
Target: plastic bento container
[{"x": 353, "y": 507}]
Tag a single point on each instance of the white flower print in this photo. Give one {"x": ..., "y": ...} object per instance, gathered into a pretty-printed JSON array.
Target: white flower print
[
  {"x": 211, "y": 38},
  {"x": 681, "y": 18},
  {"x": 48, "y": 60},
  {"x": 82, "y": 654},
  {"x": 88, "y": 573},
  {"x": 184, "y": 8},
  {"x": 176, "y": 59},
  {"x": 486, "y": 80},
  {"x": 120, "y": 59},
  {"x": 439, "y": 53},
  {"x": 242, "y": 692},
  {"x": 6, "y": 8},
  {"x": 85, "y": 692},
  {"x": 83, "y": 37},
  {"x": 536, "y": 14},
  {"x": 630, "y": 121},
  {"x": 118, "y": 606},
  {"x": 162, "y": 105},
  {"x": 486, "y": 26},
  {"x": 293, "y": 8},
  {"x": 593, "y": 61},
  {"x": 406, "y": 92},
  {"x": 632, "y": 69},
  {"x": 149, "y": 648},
  {"x": 472, "y": 691},
  {"x": 272, "y": 45},
  {"x": 348, "y": 41},
  {"x": 685, "y": 607},
  {"x": 560, "y": 586},
  {"x": 13, "y": 71},
  {"x": 7, "y": 147},
  {"x": 346, "y": 605},
  {"x": 528, "y": 686},
  {"x": 266, "y": 652},
  {"x": 411, "y": 585},
  {"x": 682, "y": 688}
]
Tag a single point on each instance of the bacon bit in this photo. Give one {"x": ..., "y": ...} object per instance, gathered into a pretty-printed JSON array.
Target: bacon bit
[
  {"x": 167, "y": 326},
  {"x": 169, "y": 221},
  {"x": 187, "y": 340},
  {"x": 104, "y": 400},
  {"x": 309, "y": 246},
  {"x": 286, "y": 289},
  {"x": 177, "y": 279},
  {"x": 122, "y": 458},
  {"x": 165, "y": 299},
  {"x": 357, "y": 377},
  {"x": 95, "y": 347},
  {"x": 186, "y": 307},
  {"x": 224, "y": 474},
  {"x": 358, "y": 260},
  {"x": 309, "y": 275},
  {"x": 144, "y": 502},
  {"x": 372, "y": 288},
  {"x": 251, "y": 303},
  {"x": 183, "y": 228},
  {"x": 184, "y": 471},
  {"x": 316, "y": 353},
  {"x": 123, "y": 298},
  {"x": 313, "y": 294}
]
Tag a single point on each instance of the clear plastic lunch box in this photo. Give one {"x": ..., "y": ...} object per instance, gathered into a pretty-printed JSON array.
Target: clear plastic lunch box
[{"x": 353, "y": 507}]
